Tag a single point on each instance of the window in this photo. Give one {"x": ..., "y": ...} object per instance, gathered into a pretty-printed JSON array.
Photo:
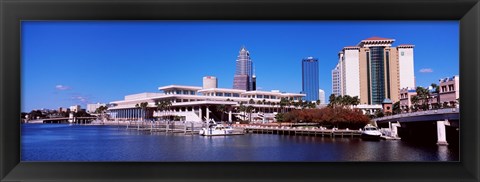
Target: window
[
  {"x": 402, "y": 53},
  {"x": 236, "y": 95},
  {"x": 218, "y": 94},
  {"x": 228, "y": 94},
  {"x": 260, "y": 96},
  {"x": 450, "y": 88},
  {"x": 178, "y": 92}
]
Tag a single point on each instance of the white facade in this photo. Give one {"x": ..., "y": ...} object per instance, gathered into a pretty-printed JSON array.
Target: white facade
[
  {"x": 75, "y": 108},
  {"x": 197, "y": 104},
  {"x": 210, "y": 82},
  {"x": 91, "y": 108},
  {"x": 405, "y": 64},
  {"x": 351, "y": 72},
  {"x": 321, "y": 96},
  {"x": 336, "y": 80}
]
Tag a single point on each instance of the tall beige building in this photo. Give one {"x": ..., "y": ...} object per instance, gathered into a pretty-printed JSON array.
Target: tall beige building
[{"x": 373, "y": 70}]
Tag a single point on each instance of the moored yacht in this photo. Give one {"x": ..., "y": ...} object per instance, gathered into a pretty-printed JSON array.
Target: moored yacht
[
  {"x": 371, "y": 132},
  {"x": 214, "y": 129}
]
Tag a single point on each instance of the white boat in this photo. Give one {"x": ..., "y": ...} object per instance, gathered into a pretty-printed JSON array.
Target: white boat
[
  {"x": 371, "y": 132},
  {"x": 215, "y": 129}
]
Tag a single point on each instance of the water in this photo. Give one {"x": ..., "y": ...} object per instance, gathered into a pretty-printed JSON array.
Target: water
[{"x": 63, "y": 142}]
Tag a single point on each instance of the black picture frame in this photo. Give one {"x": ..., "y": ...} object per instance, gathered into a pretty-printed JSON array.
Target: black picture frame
[{"x": 13, "y": 11}]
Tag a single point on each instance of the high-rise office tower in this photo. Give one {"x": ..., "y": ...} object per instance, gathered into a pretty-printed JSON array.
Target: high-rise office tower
[
  {"x": 254, "y": 82},
  {"x": 374, "y": 70},
  {"x": 310, "y": 78},
  {"x": 336, "y": 83},
  {"x": 243, "y": 73}
]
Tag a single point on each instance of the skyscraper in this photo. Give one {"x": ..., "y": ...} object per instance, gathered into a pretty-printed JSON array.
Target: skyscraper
[
  {"x": 336, "y": 83},
  {"x": 310, "y": 78},
  {"x": 374, "y": 70},
  {"x": 243, "y": 73},
  {"x": 321, "y": 96}
]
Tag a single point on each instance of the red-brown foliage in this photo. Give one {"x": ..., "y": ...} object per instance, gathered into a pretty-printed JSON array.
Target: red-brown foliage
[{"x": 328, "y": 116}]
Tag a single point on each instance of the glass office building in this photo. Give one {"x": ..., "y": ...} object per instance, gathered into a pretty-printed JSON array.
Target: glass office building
[
  {"x": 243, "y": 73},
  {"x": 310, "y": 78}
]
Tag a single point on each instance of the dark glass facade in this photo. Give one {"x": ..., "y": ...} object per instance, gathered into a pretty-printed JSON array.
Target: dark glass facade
[
  {"x": 377, "y": 74},
  {"x": 244, "y": 66},
  {"x": 310, "y": 78}
]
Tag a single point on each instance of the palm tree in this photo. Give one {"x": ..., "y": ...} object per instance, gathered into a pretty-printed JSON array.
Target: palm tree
[
  {"x": 263, "y": 103},
  {"x": 143, "y": 106},
  {"x": 249, "y": 109},
  {"x": 242, "y": 108},
  {"x": 221, "y": 109},
  {"x": 163, "y": 106},
  {"x": 331, "y": 100},
  {"x": 437, "y": 92},
  {"x": 396, "y": 108},
  {"x": 283, "y": 103},
  {"x": 424, "y": 95},
  {"x": 101, "y": 110},
  {"x": 414, "y": 101}
]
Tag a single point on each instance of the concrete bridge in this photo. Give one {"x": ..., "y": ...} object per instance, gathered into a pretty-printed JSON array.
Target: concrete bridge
[
  {"x": 423, "y": 124},
  {"x": 77, "y": 120}
]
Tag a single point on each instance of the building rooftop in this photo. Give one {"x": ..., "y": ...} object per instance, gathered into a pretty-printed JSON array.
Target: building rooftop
[
  {"x": 221, "y": 90},
  {"x": 378, "y": 38},
  {"x": 406, "y": 46},
  {"x": 171, "y": 87},
  {"x": 387, "y": 101},
  {"x": 448, "y": 79},
  {"x": 372, "y": 41}
]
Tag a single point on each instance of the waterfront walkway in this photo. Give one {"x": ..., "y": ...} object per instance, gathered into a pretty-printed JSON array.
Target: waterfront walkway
[{"x": 193, "y": 128}]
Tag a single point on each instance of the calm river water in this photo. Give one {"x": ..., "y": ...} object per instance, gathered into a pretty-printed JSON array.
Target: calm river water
[{"x": 63, "y": 142}]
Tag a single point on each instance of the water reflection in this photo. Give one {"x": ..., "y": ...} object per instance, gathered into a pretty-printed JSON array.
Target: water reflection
[{"x": 56, "y": 142}]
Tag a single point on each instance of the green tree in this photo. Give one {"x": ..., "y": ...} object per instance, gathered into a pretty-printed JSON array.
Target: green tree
[
  {"x": 283, "y": 103},
  {"x": 221, "y": 108},
  {"x": 423, "y": 94},
  {"x": 437, "y": 93},
  {"x": 143, "y": 106},
  {"x": 279, "y": 117},
  {"x": 101, "y": 110},
  {"x": 242, "y": 109},
  {"x": 163, "y": 105},
  {"x": 250, "y": 109},
  {"x": 415, "y": 99},
  {"x": 332, "y": 100},
  {"x": 396, "y": 108}
]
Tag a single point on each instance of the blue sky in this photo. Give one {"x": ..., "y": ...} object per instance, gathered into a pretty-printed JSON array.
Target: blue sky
[{"x": 79, "y": 62}]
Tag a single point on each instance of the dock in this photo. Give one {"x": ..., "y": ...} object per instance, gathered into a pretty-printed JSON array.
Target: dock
[
  {"x": 307, "y": 131},
  {"x": 185, "y": 127}
]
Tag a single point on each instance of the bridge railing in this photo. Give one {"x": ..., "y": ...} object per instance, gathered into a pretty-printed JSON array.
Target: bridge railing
[{"x": 421, "y": 113}]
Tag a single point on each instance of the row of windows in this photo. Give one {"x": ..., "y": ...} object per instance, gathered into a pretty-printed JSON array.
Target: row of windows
[
  {"x": 451, "y": 87},
  {"x": 222, "y": 94},
  {"x": 180, "y": 92}
]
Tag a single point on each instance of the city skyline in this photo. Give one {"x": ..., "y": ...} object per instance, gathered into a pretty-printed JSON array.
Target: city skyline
[{"x": 121, "y": 58}]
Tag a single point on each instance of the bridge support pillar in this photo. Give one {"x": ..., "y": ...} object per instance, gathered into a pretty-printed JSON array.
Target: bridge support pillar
[{"x": 441, "y": 132}]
